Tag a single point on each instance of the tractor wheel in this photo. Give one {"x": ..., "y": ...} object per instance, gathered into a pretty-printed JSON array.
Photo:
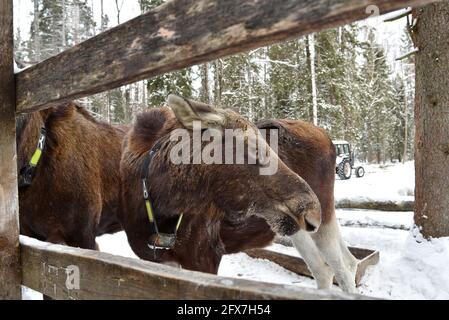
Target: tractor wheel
[
  {"x": 360, "y": 172},
  {"x": 344, "y": 170}
]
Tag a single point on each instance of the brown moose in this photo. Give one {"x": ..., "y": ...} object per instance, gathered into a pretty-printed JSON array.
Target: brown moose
[
  {"x": 217, "y": 200},
  {"x": 308, "y": 151},
  {"x": 74, "y": 192}
]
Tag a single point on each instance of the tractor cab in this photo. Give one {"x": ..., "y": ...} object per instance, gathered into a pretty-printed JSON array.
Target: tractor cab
[{"x": 345, "y": 161}]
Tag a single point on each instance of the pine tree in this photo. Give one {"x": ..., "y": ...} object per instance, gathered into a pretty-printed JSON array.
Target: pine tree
[
  {"x": 146, "y": 5},
  {"x": 289, "y": 80},
  {"x": 58, "y": 25},
  {"x": 179, "y": 82},
  {"x": 160, "y": 87},
  {"x": 376, "y": 101},
  {"x": 408, "y": 79}
]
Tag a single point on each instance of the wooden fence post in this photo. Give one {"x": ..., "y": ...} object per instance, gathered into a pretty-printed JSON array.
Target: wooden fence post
[{"x": 10, "y": 268}]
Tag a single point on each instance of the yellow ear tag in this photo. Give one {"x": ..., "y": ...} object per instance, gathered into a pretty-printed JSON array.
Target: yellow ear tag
[
  {"x": 36, "y": 157},
  {"x": 149, "y": 210}
]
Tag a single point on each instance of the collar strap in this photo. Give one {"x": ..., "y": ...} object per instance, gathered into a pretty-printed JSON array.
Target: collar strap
[
  {"x": 27, "y": 172},
  {"x": 157, "y": 240}
]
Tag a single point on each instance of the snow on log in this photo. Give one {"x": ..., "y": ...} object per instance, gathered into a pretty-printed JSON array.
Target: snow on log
[
  {"x": 408, "y": 54},
  {"x": 371, "y": 204},
  {"x": 400, "y": 15},
  {"x": 179, "y": 34}
]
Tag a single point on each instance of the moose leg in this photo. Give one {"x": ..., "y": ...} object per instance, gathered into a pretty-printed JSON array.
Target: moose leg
[
  {"x": 308, "y": 250},
  {"x": 335, "y": 252}
]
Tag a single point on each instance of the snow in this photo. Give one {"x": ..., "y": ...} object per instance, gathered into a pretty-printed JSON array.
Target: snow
[
  {"x": 16, "y": 68},
  {"x": 409, "y": 267},
  {"x": 28, "y": 294},
  {"x": 406, "y": 270},
  {"x": 391, "y": 182},
  {"x": 369, "y": 218}
]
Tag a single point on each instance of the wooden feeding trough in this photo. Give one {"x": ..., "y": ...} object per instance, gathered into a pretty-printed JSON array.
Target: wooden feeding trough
[{"x": 297, "y": 265}]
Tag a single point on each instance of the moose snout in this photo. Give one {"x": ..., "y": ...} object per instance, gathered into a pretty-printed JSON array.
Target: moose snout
[
  {"x": 307, "y": 213},
  {"x": 311, "y": 218}
]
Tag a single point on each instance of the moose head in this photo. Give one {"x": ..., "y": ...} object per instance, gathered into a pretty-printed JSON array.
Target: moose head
[{"x": 197, "y": 169}]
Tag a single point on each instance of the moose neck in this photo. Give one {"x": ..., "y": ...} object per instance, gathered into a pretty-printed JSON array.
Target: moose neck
[{"x": 27, "y": 130}]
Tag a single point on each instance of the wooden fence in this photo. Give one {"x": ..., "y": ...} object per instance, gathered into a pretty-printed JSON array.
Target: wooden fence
[{"x": 178, "y": 34}]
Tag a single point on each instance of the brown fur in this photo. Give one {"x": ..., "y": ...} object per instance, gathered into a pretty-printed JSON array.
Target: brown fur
[
  {"x": 215, "y": 199},
  {"x": 74, "y": 194},
  {"x": 308, "y": 151}
]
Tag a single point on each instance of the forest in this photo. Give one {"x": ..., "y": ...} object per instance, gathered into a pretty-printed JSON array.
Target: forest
[{"x": 340, "y": 79}]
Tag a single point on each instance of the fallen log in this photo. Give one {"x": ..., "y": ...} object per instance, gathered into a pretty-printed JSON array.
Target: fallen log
[
  {"x": 379, "y": 205},
  {"x": 373, "y": 224}
]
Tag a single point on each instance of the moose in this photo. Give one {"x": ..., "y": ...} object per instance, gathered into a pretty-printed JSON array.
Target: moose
[
  {"x": 222, "y": 209},
  {"x": 69, "y": 185},
  {"x": 308, "y": 151}
]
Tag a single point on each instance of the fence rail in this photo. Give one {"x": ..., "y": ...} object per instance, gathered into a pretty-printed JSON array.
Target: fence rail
[{"x": 105, "y": 276}]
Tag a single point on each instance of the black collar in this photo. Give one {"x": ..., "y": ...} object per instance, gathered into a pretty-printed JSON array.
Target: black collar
[
  {"x": 26, "y": 173},
  {"x": 157, "y": 240}
]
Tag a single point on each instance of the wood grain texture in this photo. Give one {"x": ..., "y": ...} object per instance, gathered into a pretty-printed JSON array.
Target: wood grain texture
[
  {"x": 9, "y": 219},
  {"x": 104, "y": 276},
  {"x": 179, "y": 34},
  {"x": 297, "y": 265}
]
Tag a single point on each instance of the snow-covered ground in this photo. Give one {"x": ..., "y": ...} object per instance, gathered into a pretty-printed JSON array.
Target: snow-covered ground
[
  {"x": 381, "y": 182},
  {"x": 409, "y": 267}
]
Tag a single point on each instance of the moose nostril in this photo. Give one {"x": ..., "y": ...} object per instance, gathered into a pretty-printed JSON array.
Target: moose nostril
[{"x": 310, "y": 227}]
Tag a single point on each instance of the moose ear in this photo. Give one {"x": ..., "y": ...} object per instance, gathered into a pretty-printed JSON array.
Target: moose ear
[{"x": 188, "y": 111}]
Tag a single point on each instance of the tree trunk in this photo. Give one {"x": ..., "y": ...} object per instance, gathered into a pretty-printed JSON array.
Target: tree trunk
[
  {"x": 118, "y": 6},
  {"x": 64, "y": 22},
  {"x": 404, "y": 155},
  {"x": 204, "y": 91},
  {"x": 432, "y": 120},
  {"x": 251, "y": 113},
  {"x": 311, "y": 43},
  {"x": 37, "y": 38},
  {"x": 218, "y": 73},
  {"x": 76, "y": 24},
  {"x": 103, "y": 20}
]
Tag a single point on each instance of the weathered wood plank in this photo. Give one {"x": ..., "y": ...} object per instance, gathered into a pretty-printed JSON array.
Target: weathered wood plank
[
  {"x": 297, "y": 265},
  {"x": 9, "y": 222},
  {"x": 104, "y": 276},
  {"x": 369, "y": 260},
  {"x": 179, "y": 34},
  {"x": 392, "y": 206}
]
